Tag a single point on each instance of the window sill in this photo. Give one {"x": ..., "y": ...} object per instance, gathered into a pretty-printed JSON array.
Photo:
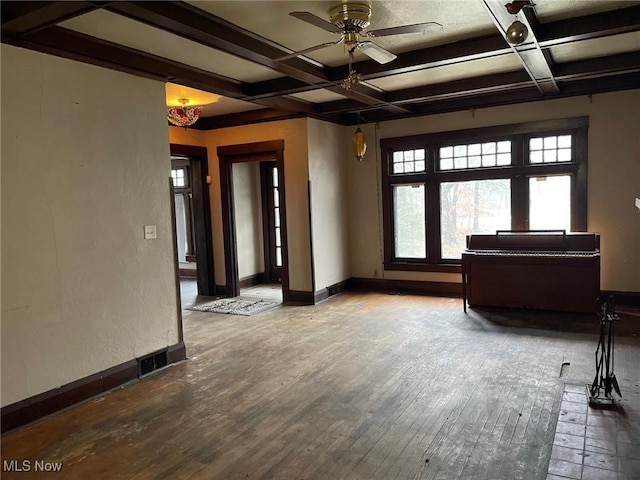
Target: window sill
[{"x": 423, "y": 267}]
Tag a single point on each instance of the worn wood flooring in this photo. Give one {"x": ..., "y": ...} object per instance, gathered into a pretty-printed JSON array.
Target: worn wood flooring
[{"x": 361, "y": 386}]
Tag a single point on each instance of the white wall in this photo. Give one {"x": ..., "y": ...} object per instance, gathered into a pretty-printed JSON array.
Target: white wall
[
  {"x": 613, "y": 180},
  {"x": 248, "y": 216},
  {"x": 329, "y": 154},
  {"x": 85, "y": 165}
]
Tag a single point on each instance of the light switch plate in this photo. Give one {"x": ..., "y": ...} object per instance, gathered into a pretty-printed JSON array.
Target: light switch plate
[{"x": 150, "y": 232}]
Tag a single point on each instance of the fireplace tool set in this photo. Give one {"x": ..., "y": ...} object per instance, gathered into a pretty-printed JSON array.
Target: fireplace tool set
[{"x": 604, "y": 383}]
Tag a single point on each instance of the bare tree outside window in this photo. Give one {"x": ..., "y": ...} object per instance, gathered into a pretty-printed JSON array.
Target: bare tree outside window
[
  {"x": 478, "y": 206},
  {"x": 409, "y": 224}
]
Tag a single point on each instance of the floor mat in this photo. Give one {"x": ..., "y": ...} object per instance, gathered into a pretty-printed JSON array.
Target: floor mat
[{"x": 235, "y": 306}]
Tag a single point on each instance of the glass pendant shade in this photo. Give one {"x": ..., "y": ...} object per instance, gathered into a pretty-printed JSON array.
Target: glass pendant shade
[
  {"x": 183, "y": 116},
  {"x": 517, "y": 33},
  {"x": 359, "y": 144}
]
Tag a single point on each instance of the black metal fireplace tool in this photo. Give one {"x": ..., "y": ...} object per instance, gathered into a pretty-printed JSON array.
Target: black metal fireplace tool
[{"x": 605, "y": 382}]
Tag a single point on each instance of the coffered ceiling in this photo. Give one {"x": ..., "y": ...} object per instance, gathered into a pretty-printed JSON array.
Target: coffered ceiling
[{"x": 233, "y": 49}]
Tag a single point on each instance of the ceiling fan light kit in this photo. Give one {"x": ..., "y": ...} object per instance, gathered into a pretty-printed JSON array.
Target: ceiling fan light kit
[
  {"x": 351, "y": 16},
  {"x": 350, "y": 19}
]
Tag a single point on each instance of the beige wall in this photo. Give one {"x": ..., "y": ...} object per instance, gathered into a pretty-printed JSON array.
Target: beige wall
[
  {"x": 614, "y": 180},
  {"x": 187, "y": 136},
  {"x": 248, "y": 215},
  {"x": 82, "y": 291},
  {"x": 328, "y": 159},
  {"x": 294, "y": 134}
]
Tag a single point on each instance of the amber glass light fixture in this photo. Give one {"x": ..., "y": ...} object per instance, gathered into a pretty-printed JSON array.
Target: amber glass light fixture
[
  {"x": 359, "y": 142},
  {"x": 183, "y": 116}
]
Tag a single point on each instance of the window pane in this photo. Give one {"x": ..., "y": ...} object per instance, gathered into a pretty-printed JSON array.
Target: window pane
[
  {"x": 409, "y": 221},
  {"x": 409, "y": 161},
  {"x": 476, "y": 155},
  {"x": 536, "y": 156},
  {"x": 488, "y": 160},
  {"x": 178, "y": 177},
  {"x": 504, "y": 159},
  {"x": 181, "y": 227},
  {"x": 552, "y": 149},
  {"x": 460, "y": 151},
  {"x": 478, "y": 206},
  {"x": 278, "y": 257},
  {"x": 474, "y": 162},
  {"x": 504, "y": 147},
  {"x": 564, "y": 141},
  {"x": 550, "y": 203},
  {"x": 446, "y": 164},
  {"x": 535, "y": 144},
  {"x": 274, "y": 174},
  {"x": 460, "y": 162}
]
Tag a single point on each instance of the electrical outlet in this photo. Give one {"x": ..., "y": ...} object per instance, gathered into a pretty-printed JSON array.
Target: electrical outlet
[{"x": 150, "y": 232}]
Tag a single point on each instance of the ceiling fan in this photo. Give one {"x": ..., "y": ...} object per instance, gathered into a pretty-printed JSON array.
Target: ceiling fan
[{"x": 350, "y": 19}]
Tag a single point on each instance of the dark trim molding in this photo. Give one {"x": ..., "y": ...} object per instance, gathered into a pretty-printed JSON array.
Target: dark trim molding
[
  {"x": 623, "y": 298},
  {"x": 177, "y": 353},
  {"x": 221, "y": 290},
  {"x": 440, "y": 289},
  {"x": 331, "y": 290},
  {"x": 188, "y": 272},
  {"x": 198, "y": 160},
  {"x": 252, "y": 280},
  {"x": 298, "y": 297},
  {"x": 36, "y": 407},
  {"x": 249, "y": 152}
]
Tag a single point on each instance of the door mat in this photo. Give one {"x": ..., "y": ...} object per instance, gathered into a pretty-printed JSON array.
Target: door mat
[{"x": 235, "y": 306}]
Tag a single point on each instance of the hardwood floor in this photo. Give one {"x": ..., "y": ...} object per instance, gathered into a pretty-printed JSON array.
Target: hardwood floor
[{"x": 361, "y": 386}]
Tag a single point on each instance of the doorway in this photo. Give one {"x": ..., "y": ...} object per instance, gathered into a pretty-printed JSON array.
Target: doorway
[
  {"x": 268, "y": 156},
  {"x": 192, "y": 213},
  {"x": 272, "y": 231}
]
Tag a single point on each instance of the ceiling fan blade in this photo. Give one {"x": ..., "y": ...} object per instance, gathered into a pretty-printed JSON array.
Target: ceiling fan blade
[
  {"x": 307, "y": 50},
  {"x": 415, "y": 28},
  {"x": 316, "y": 21},
  {"x": 376, "y": 52}
]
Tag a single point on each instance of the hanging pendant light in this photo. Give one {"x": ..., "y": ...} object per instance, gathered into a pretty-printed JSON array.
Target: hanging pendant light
[
  {"x": 359, "y": 142},
  {"x": 517, "y": 33},
  {"x": 183, "y": 116}
]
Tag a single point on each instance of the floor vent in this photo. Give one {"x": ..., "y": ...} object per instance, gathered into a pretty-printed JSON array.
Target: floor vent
[{"x": 152, "y": 362}]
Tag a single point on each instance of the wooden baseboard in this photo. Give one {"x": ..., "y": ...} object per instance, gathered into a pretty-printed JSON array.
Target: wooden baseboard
[
  {"x": 298, "y": 297},
  {"x": 221, "y": 290},
  {"x": 39, "y": 406},
  {"x": 331, "y": 290},
  {"x": 252, "y": 280},
  {"x": 622, "y": 298},
  {"x": 444, "y": 289}
]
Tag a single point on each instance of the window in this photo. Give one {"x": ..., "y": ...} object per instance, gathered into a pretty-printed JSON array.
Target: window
[
  {"x": 408, "y": 217},
  {"x": 472, "y": 206},
  {"x": 185, "y": 233},
  {"x": 439, "y": 188},
  {"x": 179, "y": 177}
]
